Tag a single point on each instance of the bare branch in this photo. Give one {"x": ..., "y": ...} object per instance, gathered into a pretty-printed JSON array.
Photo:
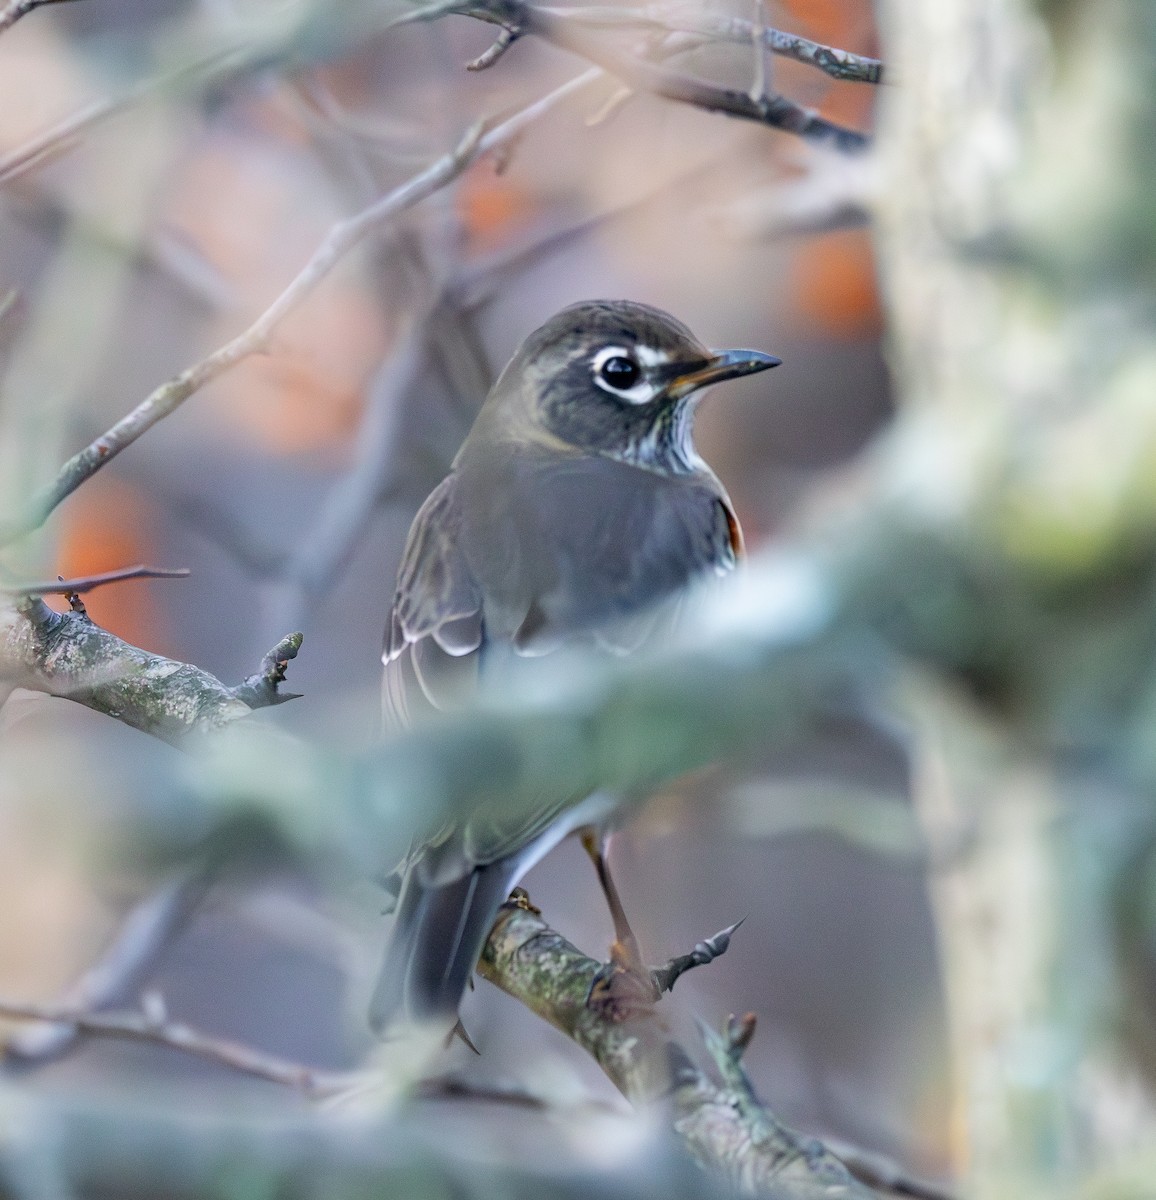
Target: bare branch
[
  {"x": 322, "y": 550},
  {"x": 88, "y": 583},
  {"x": 68, "y": 655},
  {"x": 725, "y": 1128},
  {"x": 59, "y": 137},
  {"x": 549, "y": 24},
  {"x": 487, "y": 58},
  {"x": 346, "y": 234},
  {"x": 762, "y": 53},
  {"x": 143, "y": 935},
  {"x": 151, "y": 1024},
  {"x": 713, "y": 26}
]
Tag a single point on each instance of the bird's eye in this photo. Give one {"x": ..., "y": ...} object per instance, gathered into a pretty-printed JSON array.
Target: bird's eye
[{"x": 620, "y": 373}]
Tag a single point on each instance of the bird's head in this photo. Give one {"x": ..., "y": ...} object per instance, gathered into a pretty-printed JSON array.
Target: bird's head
[{"x": 617, "y": 378}]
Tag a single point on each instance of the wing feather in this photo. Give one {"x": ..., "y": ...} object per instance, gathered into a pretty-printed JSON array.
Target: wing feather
[{"x": 435, "y": 626}]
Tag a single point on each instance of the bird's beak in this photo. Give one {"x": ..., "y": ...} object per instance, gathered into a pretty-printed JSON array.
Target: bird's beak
[{"x": 723, "y": 364}]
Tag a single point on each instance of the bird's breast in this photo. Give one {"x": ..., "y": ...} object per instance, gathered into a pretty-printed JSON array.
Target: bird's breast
[{"x": 565, "y": 544}]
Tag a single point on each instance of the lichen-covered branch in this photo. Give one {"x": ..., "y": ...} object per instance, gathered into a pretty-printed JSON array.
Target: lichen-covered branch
[
  {"x": 69, "y": 655},
  {"x": 723, "y": 1124},
  {"x": 138, "y": 1148}
]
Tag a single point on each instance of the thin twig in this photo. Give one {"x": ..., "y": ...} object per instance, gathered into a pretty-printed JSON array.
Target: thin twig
[
  {"x": 762, "y": 53},
  {"x": 326, "y": 545},
  {"x": 713, "y": 26},
  {"x": 151, "y": 1024},
  {"x": 341, "y": 238},
  {"x": 263, "y": 689},
  {"x": 59, "y": 137},
  {"x": 142, "y": 937},
  {"x": 556, "y": 27},
  {"x": 771, "y": 109},
  {"x": 505, "y": 39},
  {"x": 88, "y": 583}
]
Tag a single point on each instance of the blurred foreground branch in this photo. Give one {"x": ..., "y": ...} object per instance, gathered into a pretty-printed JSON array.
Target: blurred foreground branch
[{"x": 60, "y": 1146}]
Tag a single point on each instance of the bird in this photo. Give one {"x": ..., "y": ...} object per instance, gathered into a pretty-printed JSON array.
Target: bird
[{"x": 575, "y": 510}]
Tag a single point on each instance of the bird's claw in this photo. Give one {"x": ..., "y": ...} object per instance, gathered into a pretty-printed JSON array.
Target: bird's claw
[
  {"x": 520, "y": 898},
  {"x": 622, "y": 988}
]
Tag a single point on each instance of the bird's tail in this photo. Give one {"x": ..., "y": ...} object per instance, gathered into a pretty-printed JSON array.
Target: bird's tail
[{"x": 436, "y": 941}]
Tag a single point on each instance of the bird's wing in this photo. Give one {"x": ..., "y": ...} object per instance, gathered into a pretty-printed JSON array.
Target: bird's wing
[
  {"x": 577, "y": 568},
  {"x": 435, "y": 626},
  {"x": 625, "y": 561}
]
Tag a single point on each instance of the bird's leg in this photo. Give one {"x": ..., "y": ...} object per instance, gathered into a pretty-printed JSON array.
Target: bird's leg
[
  {"x": 625, "y": 983},
  {"x": 625, "y": 943}
]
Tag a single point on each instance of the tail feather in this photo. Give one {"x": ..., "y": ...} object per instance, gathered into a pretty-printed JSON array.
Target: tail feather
[{"x": 437, "y": 939}]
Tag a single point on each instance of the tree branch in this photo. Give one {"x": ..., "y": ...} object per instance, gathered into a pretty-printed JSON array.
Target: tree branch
[
  {"x": 88, "y": 583},
  {"x": 151, "y": 1024},
  {"x": 147, "y": 930},
  {"x": 68, "y": 655},
  {"x": 715, "y": 27},
  {"x": 346, "y": 234},
  {"x": 725, "y": 1127},
  {"x": 518, "y": 18}
]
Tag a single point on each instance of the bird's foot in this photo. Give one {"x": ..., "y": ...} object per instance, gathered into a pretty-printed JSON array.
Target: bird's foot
[
  {"x": 459, "y": 1031},
  {"x": 624, "y": 987},
  {"x": 520, "y": 898}
]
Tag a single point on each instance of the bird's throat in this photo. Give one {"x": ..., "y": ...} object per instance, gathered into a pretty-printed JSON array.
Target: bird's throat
[{"x": 665, "y": 445}]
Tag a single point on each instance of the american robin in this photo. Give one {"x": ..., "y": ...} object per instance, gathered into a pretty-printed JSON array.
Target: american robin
[{"x": 576, "y": 506}]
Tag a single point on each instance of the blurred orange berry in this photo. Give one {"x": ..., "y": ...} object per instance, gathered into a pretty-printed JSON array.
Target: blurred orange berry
[
  {"x": 492, "y": 207},
  {"x": 104, "y": 526},
  {"x": 834, "y": 286}
]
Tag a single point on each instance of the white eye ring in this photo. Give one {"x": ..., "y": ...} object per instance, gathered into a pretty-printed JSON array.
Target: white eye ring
[{"x": 641, "y": 393}]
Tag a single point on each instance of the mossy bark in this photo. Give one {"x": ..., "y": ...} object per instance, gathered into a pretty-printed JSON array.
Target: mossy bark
[{"x": 1017, "y": 249}]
